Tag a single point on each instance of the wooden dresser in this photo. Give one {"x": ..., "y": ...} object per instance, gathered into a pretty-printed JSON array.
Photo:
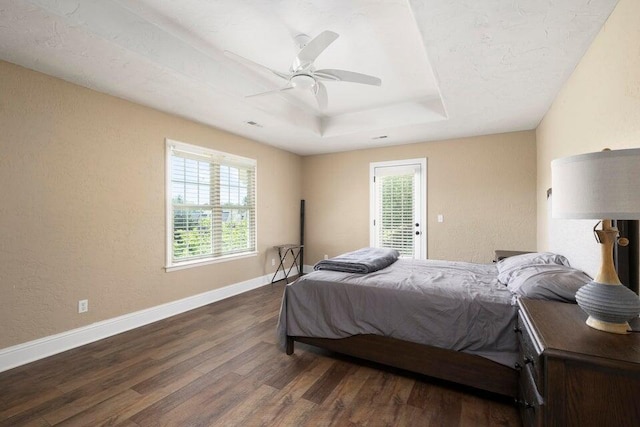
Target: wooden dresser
[{"x": 573, "y": 375}]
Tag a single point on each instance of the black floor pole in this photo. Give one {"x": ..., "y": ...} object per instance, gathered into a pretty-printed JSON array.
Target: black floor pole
[{"x": 301, "y": 236}]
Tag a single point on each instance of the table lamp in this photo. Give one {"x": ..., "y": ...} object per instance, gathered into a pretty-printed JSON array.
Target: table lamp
[{"x": 604, "y": 186}]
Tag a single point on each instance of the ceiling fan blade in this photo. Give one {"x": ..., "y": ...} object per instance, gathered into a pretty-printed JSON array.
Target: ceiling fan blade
[
  {"x": 347, "y": 76},
  {"x": 320, "y": 91},
  {"x": 270, "y": 92},
  {"x": 247, "y": 62},
  {"x": 314, "y": 48}
]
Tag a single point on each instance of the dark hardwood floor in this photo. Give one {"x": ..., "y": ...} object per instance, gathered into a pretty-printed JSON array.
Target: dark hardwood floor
[{"x": 219, "y": 366}]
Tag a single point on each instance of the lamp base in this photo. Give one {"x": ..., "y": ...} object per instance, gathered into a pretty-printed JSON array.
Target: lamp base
[
  {"x": 615, "y": 328},
  {"x": 609, "y": 306}
]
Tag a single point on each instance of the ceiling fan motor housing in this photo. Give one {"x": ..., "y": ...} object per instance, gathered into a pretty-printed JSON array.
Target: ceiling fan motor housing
[{"x": 301, "y": 40}]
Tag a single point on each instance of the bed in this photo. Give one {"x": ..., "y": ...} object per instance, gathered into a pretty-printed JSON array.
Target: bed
[{"x": 450, "y": 320}]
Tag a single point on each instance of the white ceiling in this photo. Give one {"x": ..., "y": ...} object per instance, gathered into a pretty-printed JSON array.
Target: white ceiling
[{"x": 449, "y": 68}]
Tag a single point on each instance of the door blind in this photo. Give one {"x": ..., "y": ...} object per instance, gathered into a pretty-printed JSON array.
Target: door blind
[{"x": 396, "y": 212}]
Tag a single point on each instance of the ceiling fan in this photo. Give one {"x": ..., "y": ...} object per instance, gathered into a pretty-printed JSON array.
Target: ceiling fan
[{"x": 302, "y": 74}]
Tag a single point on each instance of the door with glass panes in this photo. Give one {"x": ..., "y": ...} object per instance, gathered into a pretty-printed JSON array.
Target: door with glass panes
[{"x": 398, "y": 208}]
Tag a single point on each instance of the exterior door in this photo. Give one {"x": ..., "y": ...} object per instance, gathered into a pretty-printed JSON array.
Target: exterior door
[{"x": 398, "y": 208}]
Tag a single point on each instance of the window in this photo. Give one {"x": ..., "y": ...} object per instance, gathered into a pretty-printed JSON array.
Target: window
[{"x": 211, "y": 205}]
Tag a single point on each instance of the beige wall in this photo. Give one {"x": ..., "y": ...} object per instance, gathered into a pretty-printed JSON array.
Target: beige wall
[
  {"x": 484, "y": 186},
  {"x": 599, "y": 105},
  {"x": 82, "y": 211}
]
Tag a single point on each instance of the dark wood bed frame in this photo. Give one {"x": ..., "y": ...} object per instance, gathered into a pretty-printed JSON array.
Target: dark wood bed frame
[{"x": 455, "y": 366}]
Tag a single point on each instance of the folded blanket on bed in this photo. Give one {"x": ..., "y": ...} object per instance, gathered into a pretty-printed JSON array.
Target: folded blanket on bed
[{"x": 365, "y": 260}]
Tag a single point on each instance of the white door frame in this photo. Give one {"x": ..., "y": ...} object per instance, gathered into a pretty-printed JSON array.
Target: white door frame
[{"x": 422, "y": 162}]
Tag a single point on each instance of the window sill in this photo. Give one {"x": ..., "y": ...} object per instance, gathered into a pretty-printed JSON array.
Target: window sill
[{"x": 207, "y": 261}]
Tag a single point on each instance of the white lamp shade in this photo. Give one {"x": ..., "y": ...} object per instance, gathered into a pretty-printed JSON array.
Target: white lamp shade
[{"x": 602, "y": 185}]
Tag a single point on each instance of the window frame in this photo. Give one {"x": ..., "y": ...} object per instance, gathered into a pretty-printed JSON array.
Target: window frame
[{"x": 222, "y": 158}]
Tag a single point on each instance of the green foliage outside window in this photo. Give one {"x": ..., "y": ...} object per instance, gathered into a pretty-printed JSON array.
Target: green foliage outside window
[
  {"x": 235, "y": 235},
  {"x": 193, "y": 234}
]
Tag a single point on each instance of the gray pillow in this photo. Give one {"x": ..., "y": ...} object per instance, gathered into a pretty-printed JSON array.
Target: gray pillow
[
  {"x": 507, "y": 266},
  {"x": 548, "y": 281}
]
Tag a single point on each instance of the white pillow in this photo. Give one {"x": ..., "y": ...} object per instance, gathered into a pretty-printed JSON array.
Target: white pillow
[{"x": 507, "y": 266}]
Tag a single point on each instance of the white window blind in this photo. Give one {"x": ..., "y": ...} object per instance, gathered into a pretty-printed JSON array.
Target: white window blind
[
  {"x": 212, "y": 209},
  {"x": 396, "y": 212}
]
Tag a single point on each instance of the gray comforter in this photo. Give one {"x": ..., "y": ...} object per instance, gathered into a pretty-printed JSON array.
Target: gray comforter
[{"x": 453, "y": 305}]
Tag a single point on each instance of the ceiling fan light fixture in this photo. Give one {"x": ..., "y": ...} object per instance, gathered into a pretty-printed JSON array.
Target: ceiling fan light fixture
[{"x": 303, "y": 81}]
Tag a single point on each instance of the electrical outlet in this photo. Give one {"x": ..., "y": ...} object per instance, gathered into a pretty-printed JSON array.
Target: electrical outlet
[
  {"x": 326, "y": 256},
  {"x": 273, "y": 262},
  {"x": 83, "y": 306}
]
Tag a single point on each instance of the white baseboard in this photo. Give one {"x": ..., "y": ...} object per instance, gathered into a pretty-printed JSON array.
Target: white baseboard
[{"x": 31, "y": 351}]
